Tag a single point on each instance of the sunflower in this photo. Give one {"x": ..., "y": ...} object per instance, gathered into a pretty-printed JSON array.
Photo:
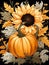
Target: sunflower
[{"x": 28, "y": 15}]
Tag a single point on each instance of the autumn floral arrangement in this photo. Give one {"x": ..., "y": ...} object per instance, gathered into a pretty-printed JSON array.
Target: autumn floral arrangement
[{"x": 25, "y": 36}]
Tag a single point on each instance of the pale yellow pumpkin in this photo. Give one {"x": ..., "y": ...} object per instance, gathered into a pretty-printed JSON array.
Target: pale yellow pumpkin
[{"x": 22, "y": 46}]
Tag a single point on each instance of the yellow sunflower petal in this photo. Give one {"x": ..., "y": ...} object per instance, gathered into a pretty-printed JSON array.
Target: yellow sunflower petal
[
  {"x": 32, "y": 9},
  {"x": 8, "y": 23},
  {"x": 16, "y": 16},
  {"x": 17, "y": 22},
  {"x": 28, "y": 8},
  {"x": 38, "y": 19},
  {"x": 45, "y": 40},
  {"x": 18, "y": 12},
  {"x": 23, "y": 8},
  {"x": 13, "y": 19},
  {"x": 19, "y": 8},
  {"x": 42, "y": 31},
  {"x": 29, "y": 29},
  {"x": 38, "y": 16},
  {"x": 16, "y": 26},
  {"x": 31, "y": 12}
]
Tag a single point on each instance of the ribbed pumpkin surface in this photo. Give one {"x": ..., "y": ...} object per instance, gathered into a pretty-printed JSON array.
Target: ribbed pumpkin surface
[{"x": 22, "y": 46}]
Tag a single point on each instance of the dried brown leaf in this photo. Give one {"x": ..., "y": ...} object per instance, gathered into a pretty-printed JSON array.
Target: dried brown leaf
[
  {"x": 5, "y": 15},
  {"x": 8, "y": 58},
  {"x": 0, "y": 21},
  {"x": 40, "y": 45},
  {"x": 44, "y": 58},
  {"x": 36, "y": 58},
  {"x": 43, "y": 55},
  {"x": 44, "y": 51},
  {"x": 47, "y": 34}
]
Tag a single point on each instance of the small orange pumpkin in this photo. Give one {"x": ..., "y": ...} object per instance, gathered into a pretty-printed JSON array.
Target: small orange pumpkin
[{"x": 22, "y": 46}]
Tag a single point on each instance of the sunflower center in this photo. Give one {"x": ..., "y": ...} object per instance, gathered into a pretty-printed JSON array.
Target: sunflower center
[{"x": 28, "y": 19}]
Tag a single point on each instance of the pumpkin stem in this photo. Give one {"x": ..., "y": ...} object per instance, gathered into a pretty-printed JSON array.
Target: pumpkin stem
[
  {"x": 37, "y": 28},
  {"x": 20, "y": 34}
]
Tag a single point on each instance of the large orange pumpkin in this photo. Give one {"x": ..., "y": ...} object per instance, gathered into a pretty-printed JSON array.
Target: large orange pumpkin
[{"x": 22, "y": 46}]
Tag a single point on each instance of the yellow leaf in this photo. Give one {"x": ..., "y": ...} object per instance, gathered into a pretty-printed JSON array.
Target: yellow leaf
[
  {"x": 8, "y": 23},
  {"x": 45, "y": 11},
  {"x": 8, "y": 8},
  {"x": 5, "y": 5},
  {"x": 42, "y": 31},
  {"x": 2, "y": 51},
  {"x": 39, "y": 24},
  {"x": 45, "y": 40},
  {"x": 45, "y": 17},
  {"x": 1, "y": 39},
  {"x": 45, "y": 4},
  {"x": 2, "y": 47},
  {"x": 17, "y": 3}
]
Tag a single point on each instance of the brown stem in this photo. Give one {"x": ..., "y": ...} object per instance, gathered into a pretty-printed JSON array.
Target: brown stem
[
  {"x": 36, "y": 34},
  {"x": 20, "y": 34}
]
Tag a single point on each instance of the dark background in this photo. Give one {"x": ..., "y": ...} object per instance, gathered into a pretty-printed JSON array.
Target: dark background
[{"x": 30, "y": 2}]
